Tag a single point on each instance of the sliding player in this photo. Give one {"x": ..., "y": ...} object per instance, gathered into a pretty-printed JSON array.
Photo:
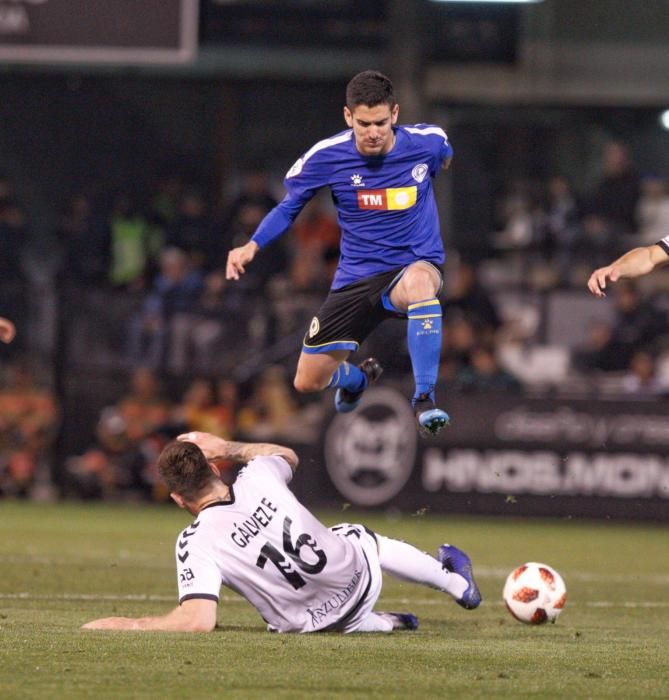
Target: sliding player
[{"x": 256, "y": 538}]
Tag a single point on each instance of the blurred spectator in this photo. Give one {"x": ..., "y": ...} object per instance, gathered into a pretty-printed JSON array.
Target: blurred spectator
[
  {"x": 200, "y": 410},
  {"x": 207, "y": 339},
  {"x": 315, "y": 241},
  {"x": 240, "y": 221},
  {"x": 642, "y": 377},
  {"x": 129, "y": 437},
  {"x": 615, "y": 197},
  {"x": 28, "y": 424},
  {"x": 467, "y": 298},
  {"x": 84, "y": 242},
  {"x": 637, "y": 325},
  {"x": 483, "y": 374},
  {"x": 131, "y": 244},
  {"x": 652, "y": 211},
  {"x": 562, "y": 226},
  {"x": 192, "y": 229},
  {"x": 175, "y": 290},
  {"x": 271, "y": 407},
  {"x": 518, "y": 216}
]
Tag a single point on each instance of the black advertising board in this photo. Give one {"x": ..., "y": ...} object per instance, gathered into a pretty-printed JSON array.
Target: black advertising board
[
  {"x": 98, "y": 31},
  {"x": 502, "y": 454}
]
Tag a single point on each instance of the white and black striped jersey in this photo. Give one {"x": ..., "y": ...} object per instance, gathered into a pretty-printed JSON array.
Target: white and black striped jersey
[{"x": 300, "y": 575}]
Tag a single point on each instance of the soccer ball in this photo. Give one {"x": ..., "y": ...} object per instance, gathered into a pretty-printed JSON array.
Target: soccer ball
[{"x": 534, "y": 593}]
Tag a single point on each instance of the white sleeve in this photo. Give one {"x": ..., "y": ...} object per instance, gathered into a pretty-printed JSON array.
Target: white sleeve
[
  {"x": 274, "y": 465},
  {"x": 198, "y": 576}
]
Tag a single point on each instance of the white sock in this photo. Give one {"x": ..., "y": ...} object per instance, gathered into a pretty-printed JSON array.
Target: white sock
[
  {"x": 407, "y": 563},
  {"x": 376, "y": 623}
]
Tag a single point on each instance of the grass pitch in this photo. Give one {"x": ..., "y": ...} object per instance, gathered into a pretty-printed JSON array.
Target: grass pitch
[{"x": 65, "y": 564}]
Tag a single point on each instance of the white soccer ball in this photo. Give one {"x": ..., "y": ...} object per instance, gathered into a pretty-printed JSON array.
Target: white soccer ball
[{"x": 535, "y": 593}]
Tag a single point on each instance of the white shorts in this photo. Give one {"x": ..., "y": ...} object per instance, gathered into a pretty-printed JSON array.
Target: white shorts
[{"x": 363, "y": 538}]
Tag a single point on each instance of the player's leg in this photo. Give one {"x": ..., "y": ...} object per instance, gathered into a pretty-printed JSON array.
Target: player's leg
[
  {"x": 342, "y": 323},
  {"x": 387, "y": 622},
  {"x": 416, "y": 295},
  {"x": 451, "y": 572}
]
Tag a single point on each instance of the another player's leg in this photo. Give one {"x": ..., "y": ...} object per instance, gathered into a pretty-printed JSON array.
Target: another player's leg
[
  {"x": 318, "y": 371},
  {"x": 415, "y": 293},
  {"x": 451, "y": 572}
]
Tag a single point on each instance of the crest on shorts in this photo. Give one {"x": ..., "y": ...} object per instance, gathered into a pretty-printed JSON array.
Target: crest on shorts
[
  {"x": 314, "y": 327},
  {"x": 419, "y": 172}
]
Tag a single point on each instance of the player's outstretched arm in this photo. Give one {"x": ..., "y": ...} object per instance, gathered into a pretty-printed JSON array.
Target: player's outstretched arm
[
  {"x": 216, "y": 448},
  {"x": 7, "y": 330},
  {"x": 635, "y": 263},
  {"x": 195, "y": 615},
  {"x": 239, "y": 258}
]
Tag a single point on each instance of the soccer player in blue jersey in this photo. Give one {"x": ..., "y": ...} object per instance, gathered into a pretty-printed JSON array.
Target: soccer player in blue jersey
[{"x": 380, "y": 176}]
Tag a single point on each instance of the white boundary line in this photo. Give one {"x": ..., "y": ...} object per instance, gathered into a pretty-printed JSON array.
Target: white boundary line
[{"x": 95, "y": 597}]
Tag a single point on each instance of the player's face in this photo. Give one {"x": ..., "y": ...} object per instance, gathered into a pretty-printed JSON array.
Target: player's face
[{"x": 372, "y": 128}]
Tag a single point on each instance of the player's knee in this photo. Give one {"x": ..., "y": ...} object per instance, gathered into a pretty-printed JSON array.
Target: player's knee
[{"x": 306, "y": 384}]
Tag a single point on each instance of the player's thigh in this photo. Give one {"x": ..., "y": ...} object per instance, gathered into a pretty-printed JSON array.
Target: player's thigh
[
  {"x": 421, "y": 280},
  {"x": 314, "y": 370}
]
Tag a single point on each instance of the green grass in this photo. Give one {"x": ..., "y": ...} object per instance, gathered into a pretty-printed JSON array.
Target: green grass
[{"x": 65, "y": 564}]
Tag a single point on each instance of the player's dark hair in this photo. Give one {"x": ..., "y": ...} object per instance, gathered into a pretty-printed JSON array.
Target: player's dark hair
[
  {"x": 370, "y": 88},
  {"x": 184, "y": 469}
]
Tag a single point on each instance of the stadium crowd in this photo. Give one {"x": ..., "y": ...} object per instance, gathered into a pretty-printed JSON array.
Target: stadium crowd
[{"x": 138, "y": 294}]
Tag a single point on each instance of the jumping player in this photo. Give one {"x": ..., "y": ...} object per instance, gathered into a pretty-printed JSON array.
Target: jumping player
[
  {"x": 256, "y": 538},
  {"x": 635, "y": 263},
  {"x": 380, "y": 176}
]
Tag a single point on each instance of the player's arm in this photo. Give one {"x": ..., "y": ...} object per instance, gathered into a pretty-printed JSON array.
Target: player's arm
[
  {"x": 7, "y": 330},
  {"x": 634, "y": 263},
  {"x": 194, "y": 615},
  {"x": 217, "y": 449}
]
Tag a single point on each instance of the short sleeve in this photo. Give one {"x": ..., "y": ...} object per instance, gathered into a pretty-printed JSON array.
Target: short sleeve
[
  {"x": 198, "y": 576},
  {"x": 274, "y": 465}
]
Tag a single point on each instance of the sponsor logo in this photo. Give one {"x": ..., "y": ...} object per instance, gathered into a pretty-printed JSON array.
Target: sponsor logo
[
  {"x": 296, "y": 169},
  {"x": 186, "y": 575},
  {"x": 419, "y": 172},
  {"x": 545, "y": 472},
  {"x": 356, "y": 180},
  {"x": 369, "y": 454},
  {"x": 314, "y": 327},
  {"x": 427, "y": 324},
  {"x": 326, "y": 607},
  {"x": 392, "y": 198}
]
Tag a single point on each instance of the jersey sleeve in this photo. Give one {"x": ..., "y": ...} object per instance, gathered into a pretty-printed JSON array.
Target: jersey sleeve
[
  {"x": 437, "y": 143},
  {"x": 302, "y": 182},
  {"x": 274, "y": 466},
  {"x": 198, "y": 576}
]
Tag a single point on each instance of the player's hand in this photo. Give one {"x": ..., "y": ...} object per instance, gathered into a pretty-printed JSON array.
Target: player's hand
[
  {"x": 238, "y": 258},
  {"x": 7, "y": 330},
  {"x": 212, "y": 446},
  {"x": 597, "y": 281},
  {"x": 111, "y": 623}
]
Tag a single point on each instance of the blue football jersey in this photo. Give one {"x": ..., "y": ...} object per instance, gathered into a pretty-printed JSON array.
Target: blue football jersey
[{"x": 385, "y": 204}]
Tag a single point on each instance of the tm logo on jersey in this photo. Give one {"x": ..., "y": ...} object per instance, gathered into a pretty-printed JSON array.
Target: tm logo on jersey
[{"x": 389, "y": 199}]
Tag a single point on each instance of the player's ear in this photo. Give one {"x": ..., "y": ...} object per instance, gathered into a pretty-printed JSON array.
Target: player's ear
[
  {"x": 178, "y": 500},
  {"x": 394, "y": 113},
  {"x": 348, "y": 116},
  {"x": 214, "y": 468}
]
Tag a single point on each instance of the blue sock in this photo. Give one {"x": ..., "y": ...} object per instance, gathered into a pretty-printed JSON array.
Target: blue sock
[
  {"x": 349, "y": 377},
  {"x": 424, "y": 340}
]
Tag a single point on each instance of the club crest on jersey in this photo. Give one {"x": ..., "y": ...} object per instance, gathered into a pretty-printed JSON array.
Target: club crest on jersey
[
  {"x": 356, "y": 180},
  {"x": 392, "y": 198},
  {"x": 314, "y": 327},
  {"x": 419, "y": 172},
  {"x": 296, "y": 169}
]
